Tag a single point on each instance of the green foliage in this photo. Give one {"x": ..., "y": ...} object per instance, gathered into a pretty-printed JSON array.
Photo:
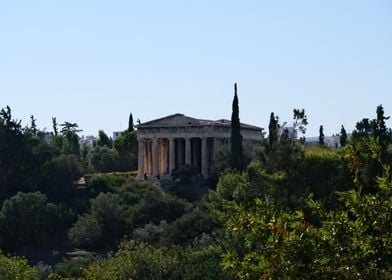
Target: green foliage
[
  {"x": 273, "y": 131},
  {"x": 127, "y": 149},
  {"x": 363, "y": 129},
  {"x": 321, "y": 135},
  {"x": 300, "y": 122},
  {"x": 150, "y": 233},
  {"x": 102, "y": 225},
  {"x": 103, "y": 139},
  {"x": 15, "y": 155},
  {"x": 130, "y": 123},
  {"x": 323, "y": 172},
  {"x": 353, "y": 241},
  {"x": 27, "y": 219},
  {"x": 187, "y": 227},
  {"x": 240, "y": 188},
  {"x": 60, "y": 173},
  {"x": 157, "y": 207},
  {"x": 141, "y": 261},
  {"x": 72, "y": 267},
  {"x": 343, "y": 136},
  {"x": 186, "y": 187},
  {"x": 16, "y": 268},
  {"x": 102, "y": 159},
  {"x": 70, "y": 143},
  {"x": 54, "y": 125},
  {"x": 236, "y": 137}
]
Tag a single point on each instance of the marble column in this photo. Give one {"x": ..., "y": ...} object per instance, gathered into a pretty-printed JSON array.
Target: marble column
[
  {"x": 172, "y": 155},
  {"x": 155, "y": 157},
  {"x": 215, "y": 148},
  {"x": 204, "y": 158},
  {"x": 188, "y": 151},
  {"x": 147, "y": 155},
  {"x": 140, "y": 158}
]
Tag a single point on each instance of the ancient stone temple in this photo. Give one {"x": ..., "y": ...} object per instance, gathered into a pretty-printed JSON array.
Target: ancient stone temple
[{"x": 169, "y": 142}]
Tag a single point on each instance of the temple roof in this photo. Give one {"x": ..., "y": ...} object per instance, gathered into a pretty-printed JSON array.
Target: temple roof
[{"x": 178, "y": 119}]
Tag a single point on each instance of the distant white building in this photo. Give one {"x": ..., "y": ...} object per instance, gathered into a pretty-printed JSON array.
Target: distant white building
[
  {"x": 117, "y": 134},
  {"x": 291, "y": 131},
  {"x": 88, "y": 141},
  {"x": 332, "y": 142},
  {"x": 48, "y": 137}
]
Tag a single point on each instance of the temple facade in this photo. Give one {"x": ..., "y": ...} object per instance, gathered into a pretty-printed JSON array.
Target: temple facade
[{"x": 169, "y": 142}]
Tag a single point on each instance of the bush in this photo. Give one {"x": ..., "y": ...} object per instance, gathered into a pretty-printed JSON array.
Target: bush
[
  {"x": 13, "y": 268},
  {"x": 27, "y": 219},
  {"x": 157, "y": 207},
  {"x": 60, "y": 174},
  {"x": 72, "y": 267},
  {"x": 187, "y": 227},
  {"x": 103, "y": 224},
  {"x": 141, "y": 261}
]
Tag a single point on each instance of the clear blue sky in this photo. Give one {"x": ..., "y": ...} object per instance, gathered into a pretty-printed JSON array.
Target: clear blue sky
[{"x": 93, "y": 62}]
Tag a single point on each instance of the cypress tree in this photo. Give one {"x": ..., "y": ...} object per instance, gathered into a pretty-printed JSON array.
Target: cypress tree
[
  {"x": 321, "y": 135},
  {"x": 33, "y": 126},
  {"x": 273, "y": 131},
  {"x": 130, "y": 122},
  {"x": 236, "y": 137},
  {"x": 379, "y": 129},
  {"x": 54, "y": 121},
  {"x": 343, "y": 136}
]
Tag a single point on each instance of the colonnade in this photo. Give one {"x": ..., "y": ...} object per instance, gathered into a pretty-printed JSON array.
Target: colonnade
[{"x": 160, "y": 156}]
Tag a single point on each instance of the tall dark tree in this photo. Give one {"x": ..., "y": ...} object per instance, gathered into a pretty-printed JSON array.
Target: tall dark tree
[
  {"x": 321, "y": 135},
  {"x": 343, "y": 136},
  {"x": 273, "y": 130},
  {"x": 363, "y": 128},
  {"x": 33, "y": 125},
  {"x": 300, "y": 122},
  {"x": 54, "y": 122},
  {"x": 379, "y": 128},
  {"x": 236, "y": 137},
  {"x": 103, "y": 139},
  {"x": 70, "y": 127},
  {"x": 130, "y": 123}
]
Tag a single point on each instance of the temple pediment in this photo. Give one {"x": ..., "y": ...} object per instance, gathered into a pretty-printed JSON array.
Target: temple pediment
[{"x": 171, "y": 120}]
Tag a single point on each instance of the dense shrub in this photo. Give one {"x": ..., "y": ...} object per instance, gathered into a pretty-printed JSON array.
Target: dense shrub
[
  {"x": 27, "y": 219},
  {"x": 16, "y": 268},
  {"x": 103, "y": 224}
]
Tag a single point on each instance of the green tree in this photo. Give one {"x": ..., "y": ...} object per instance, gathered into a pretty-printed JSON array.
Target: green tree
[
  {"x": 102, "y": 159},
  {"x": 54, "y": 124},
  {"x": 102, "y": 225},
  {"x": 343, "y": 136},
  {"x": 379, "y": 129},
  {"x": 70, "y": 143},
  {"x": 300, "y": 122},
  {"x": 236, "y": 137},
  {"x": 33, "y": 125},
  {"x": 141, "y": 261},
  {"x": 67, "y": 126},
  {"x": 321, "y": 135},
  {"x": 187, "y": 227},
  {"x": 60, "y": 173},
  {"x": 127, "y": 148},
  {"x": 273, "y": 131},
  {"x": 15, "y": 154},
  {"x": 363, "y": 129},
  {"x": 103, "y": 139},
  {"x": 16, "y": 268},
  {"x": 27, "y": 219},
  {"x": 130, "y": 123}
]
